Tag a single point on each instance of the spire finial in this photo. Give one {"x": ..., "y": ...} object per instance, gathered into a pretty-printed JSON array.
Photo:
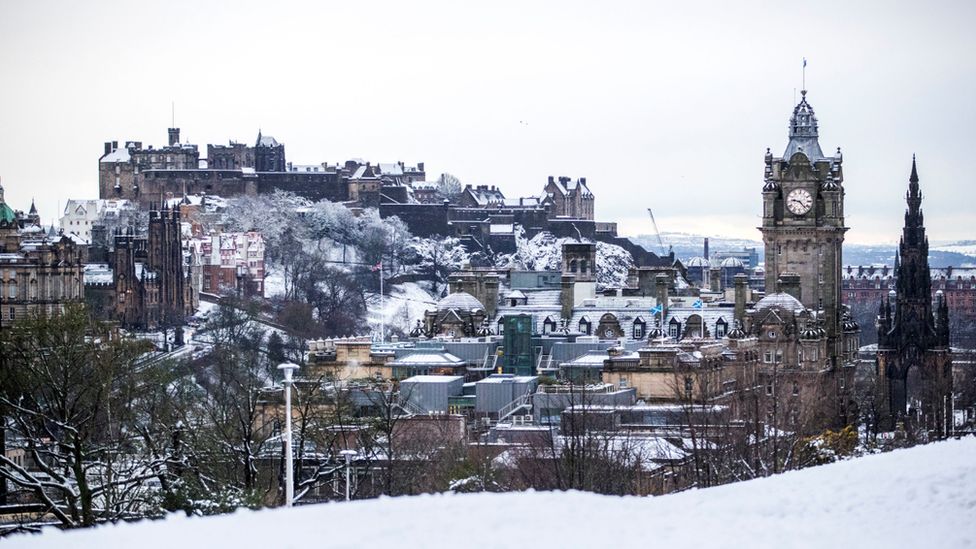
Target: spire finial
[
  {"x": 914, "y": 177},
  {"x": 804, "y": 90}
]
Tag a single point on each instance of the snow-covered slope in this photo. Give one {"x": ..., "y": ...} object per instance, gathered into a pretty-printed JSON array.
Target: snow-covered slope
[
  {"x": 920, "y": 497},
  {"x": 544, "y": 252}
]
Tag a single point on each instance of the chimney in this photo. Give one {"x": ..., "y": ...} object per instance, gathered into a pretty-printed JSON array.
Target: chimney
[
  {"x": 552, "y": 179},
  {"x": 789, "y": 283},
  {"x": 491, "y": 294},
  {"x": 420, "y": 166},
  {"x": 108, "y": 147},
  {"x": 566, "y": 295},
  {"x": 174, "y": 136},
  {"x": 661, "y": 289},
  {"x": 715, "y": 279},
  {"x": 706, "y": 248},
  {"x": 741, "y": 287}
]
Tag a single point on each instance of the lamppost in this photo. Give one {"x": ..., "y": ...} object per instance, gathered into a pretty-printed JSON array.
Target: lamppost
[
  {"x": 288, "y": 368},
  {"x": 348, "y": 455}
]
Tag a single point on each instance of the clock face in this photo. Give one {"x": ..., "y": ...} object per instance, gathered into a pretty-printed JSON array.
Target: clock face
[{"x": 799, "y": 201}]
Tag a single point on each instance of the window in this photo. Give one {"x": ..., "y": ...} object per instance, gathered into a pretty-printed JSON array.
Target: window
[
  {"x": 583, "y": 266},
  {"x": 584, "y": 326},
  {"x": 639, "y": 329},
  {"x": 572, "y": 266},
  {"x": 769, "y": 388},
  {"x": 689, "y": 386},
  {"x": 768, "y": 357},
  {"x": 796, "y": 389},
  {"x": 720, "y": 329},
  {"x": 771, "y": 335},
  {"x": 673, "y": 330},
  {"x": 843, "y": 382},
  {"x": 12, "y": 291}
]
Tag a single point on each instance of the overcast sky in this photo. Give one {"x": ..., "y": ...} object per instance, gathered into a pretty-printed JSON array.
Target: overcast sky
[{"x": 665, "y": 105}]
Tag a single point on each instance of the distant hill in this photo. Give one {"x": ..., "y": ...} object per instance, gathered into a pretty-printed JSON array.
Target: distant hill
[{"x": 956, "y": 254}]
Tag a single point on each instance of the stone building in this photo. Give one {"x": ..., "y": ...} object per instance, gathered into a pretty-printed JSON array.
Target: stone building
[
  {"x": 568, "y": 198},
  {"x": 147, "y": 283},
  {"x": 914, "y": 360},
  {"x": 866, "y": 287},
  {"x": 230, "y": 263},
  {"x": 269, "y": 155},
  {"x": 233, "y": 156},
  {"x": 803, "y": 221},
  {"x": 40, "y": 273}
]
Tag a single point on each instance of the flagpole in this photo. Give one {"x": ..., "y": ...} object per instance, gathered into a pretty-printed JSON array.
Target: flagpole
[{"x": 382, "y": 307}]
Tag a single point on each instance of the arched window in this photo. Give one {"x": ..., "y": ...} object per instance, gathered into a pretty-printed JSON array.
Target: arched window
[
  {"x": 12, "y": 289},
  {"x": 584, "y": 265},
  {"x": 572, "y": 265}
]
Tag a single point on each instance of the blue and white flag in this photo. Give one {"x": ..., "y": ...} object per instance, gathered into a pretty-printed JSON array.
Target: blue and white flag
[
  {"x": 697, "y": 304},
  {"x": 656, "y": 310}
]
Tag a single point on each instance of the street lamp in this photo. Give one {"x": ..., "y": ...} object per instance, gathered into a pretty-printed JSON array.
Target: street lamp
[
  {"x": 288, "y": 368},
  {"x": 348, "y": 455}
]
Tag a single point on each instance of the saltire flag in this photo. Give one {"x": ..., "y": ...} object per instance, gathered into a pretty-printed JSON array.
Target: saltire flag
[
  {"x": 377, "y": 267},
  {"x": 697, "y": 304},
  {"x": 657, "y": 310}
]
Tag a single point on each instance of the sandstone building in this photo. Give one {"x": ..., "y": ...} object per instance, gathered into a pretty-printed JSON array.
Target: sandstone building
[{"x": 40, "y": 272}]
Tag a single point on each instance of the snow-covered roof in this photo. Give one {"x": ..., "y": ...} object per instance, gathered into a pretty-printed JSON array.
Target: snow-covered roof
[
  {"x": 432, "y": 379},
  {"x": 98, "y": 273},
  {"x": 267, "y": 141},
  {"x": 118, "y": 155},
  {"x": 780, "y": 299},
  {"x": 441, "y": 358},
  {"x": 459, "y": 300}
]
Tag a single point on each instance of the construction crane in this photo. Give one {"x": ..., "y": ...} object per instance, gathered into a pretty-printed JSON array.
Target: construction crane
[{"x": 657, "y": 233}]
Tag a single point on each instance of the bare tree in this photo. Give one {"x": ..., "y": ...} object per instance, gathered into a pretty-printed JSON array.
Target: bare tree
[
  {"x": 68, "y": 389},
  {"x": 449, "y": 186}
]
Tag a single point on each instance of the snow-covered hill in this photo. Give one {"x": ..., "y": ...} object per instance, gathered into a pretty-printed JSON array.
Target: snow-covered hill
[{"x": 920, "y": 497}]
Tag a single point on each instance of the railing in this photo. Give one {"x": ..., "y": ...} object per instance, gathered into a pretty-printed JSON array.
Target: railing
[
  {"x": 411, "y": 408},
  {"x": 517, "y": 404}
]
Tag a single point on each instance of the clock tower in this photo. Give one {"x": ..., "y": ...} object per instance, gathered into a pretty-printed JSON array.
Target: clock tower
[{"x": 803, "y": 223}]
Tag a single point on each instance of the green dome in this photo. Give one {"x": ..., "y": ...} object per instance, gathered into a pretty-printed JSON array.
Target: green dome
[{"x": 6, "y": 214}]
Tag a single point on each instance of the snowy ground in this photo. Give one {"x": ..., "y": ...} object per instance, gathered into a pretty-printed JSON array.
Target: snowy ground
[
  {"x": 401, "y": 309},
  {"x": 921, "y": 497}
]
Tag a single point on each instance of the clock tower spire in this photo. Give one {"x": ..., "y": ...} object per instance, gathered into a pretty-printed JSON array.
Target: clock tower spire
[{"x": 803, "y": 221}]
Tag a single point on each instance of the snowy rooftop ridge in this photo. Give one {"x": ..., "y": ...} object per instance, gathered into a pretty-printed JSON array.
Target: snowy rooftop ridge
[{"x": 919, "y": 497}]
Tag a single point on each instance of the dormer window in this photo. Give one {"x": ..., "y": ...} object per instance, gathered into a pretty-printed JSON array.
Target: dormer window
[
  {"x": 585, "y": 326},
  {"x": 721, "y": 328}
]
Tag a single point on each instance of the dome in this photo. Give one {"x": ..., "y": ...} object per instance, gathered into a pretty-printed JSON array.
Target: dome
[
  {"x": 732, "y": 263},
  {"x": 697, "y": 262},
  {"x": 781, "y": 300},
  {"x": 459, "y": 300}
]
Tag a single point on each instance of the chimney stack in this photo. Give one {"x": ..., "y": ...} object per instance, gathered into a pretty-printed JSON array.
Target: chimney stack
[
  {"x": 741, "y": 287},
  {"x": 174, "y": 136},
  {"x": 706, "y": 247},
  {"x": 789, "y": 283}
]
